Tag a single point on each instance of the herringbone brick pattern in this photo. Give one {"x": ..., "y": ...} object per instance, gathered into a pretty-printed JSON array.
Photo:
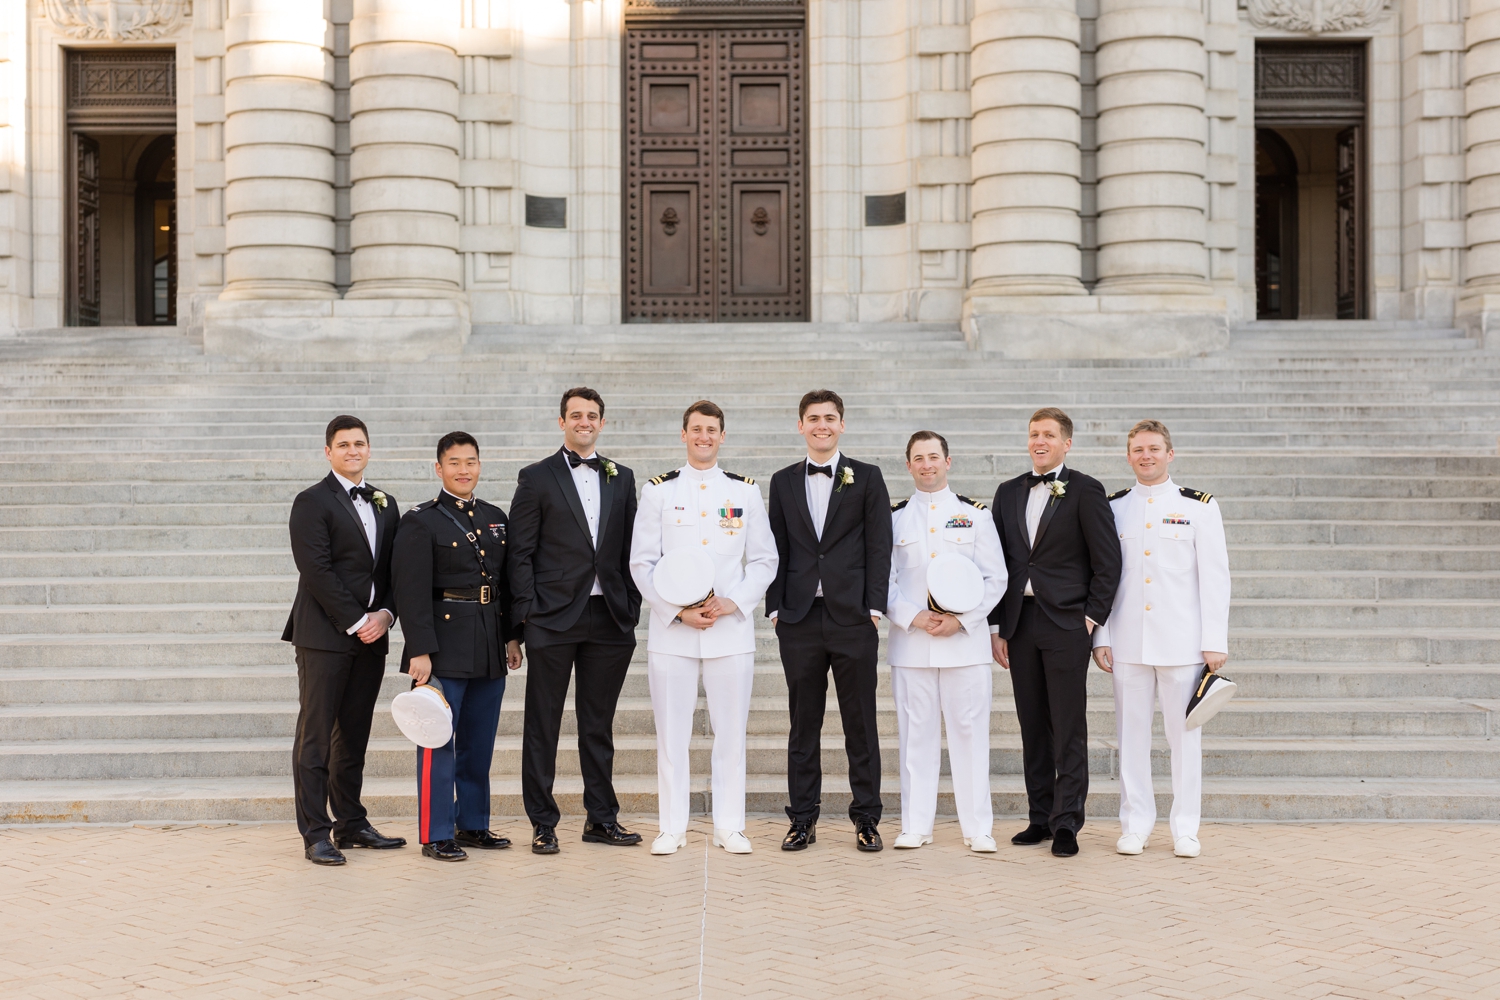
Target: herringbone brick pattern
[{"x": 1274, "y": 911}]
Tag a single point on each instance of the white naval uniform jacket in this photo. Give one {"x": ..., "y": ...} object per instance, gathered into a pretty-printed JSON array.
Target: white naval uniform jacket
[
  {"x": 722, "y": 514},
  {"x": 1173, "y": 598},
  {"x": 922, "y": 527}
]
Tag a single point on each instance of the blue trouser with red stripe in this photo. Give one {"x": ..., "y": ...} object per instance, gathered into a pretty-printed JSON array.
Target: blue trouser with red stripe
[{"x": 453, "y": 781}]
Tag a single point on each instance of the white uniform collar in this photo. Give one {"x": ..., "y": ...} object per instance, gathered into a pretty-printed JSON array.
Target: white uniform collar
[
  {"x": 941, "y": 496},
  {"x": 700, "y": 475},
  {"x": 1159, "y": 490}
]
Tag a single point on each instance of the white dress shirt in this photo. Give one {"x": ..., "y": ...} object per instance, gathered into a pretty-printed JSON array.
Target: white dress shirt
[
  {"x": 704, "y": 509},
  {"x": 1036, "y": 503},
  {"x": 1173, "y": 598},
  {"x": 586, "y": 480},
  {"x": 366, "y": 514}
]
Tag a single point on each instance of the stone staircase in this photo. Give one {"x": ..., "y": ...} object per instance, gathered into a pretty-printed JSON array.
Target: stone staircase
[{"x": 144, "y": 572}]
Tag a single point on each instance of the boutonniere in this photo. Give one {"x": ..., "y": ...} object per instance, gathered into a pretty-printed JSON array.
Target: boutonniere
[
  {"x": 1057, "y": 488},
  {"x": 378, "y": 499},
  {"x": 846, "y": 477},
  {"x": 609, "y": 469}
]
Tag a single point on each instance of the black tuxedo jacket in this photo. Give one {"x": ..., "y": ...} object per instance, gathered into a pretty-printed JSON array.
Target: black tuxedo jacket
[
  {"x": 552, "y": 561},
  {"x": 852, "y": 559},
  {"x": 1074, "y": 567},
  {"x": 335, "y": 568}
]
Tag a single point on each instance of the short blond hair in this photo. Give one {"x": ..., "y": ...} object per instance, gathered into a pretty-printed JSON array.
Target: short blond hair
[
  {"x": 1064, "y": 421},
  {"x": 1149, "y": 427}
]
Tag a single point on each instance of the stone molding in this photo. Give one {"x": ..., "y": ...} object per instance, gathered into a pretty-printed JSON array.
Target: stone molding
[
  {"x": 117, "y": 20},
  {"x": 1314, "y": 17}
]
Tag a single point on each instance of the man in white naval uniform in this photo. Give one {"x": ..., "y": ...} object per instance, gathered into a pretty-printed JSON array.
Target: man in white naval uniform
[
  {"x": 1170, "y": 618},
  {"x": 941, "y": 665},
  {"x": 702, "y": 506}
]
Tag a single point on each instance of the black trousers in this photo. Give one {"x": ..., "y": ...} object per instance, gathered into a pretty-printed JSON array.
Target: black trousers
[
  {"x": 337, "y": 693},
  {"x": 599, "y": 652},
  {"x": 1049, "y": 668},
  {"x": 809, "y": 650}
]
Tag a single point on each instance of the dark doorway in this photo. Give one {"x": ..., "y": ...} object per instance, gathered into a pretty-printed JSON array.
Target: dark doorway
[
  {"x": 1276, "y": 229},
  {"x": 156, "y": 234},
  {"x": 715, "y": 174},
  {"x": 1310, "y": 181}
]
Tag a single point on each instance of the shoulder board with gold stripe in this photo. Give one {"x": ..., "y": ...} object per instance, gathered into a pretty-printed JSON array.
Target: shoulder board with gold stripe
[
  {"x": 1197, "y": 495},
  {"x": 900, "y": 504},
  {"x": 658, "y": 480},
  {"x": 972, "y": 503},
  {"x": 744, "y": 479},
  {"x": 1117, "y": 494},
  {"x": 418, "y": 506}
]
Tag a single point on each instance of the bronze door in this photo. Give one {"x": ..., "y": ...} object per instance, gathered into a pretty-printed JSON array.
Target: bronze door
[
  {"x": 715, "y": 202},
  {"x": 86, "y": 294},
  {"x": 1350, "y": 215}
]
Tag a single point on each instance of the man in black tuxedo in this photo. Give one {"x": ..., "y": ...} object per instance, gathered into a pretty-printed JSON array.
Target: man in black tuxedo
[
  {"x": 342, "y": 532},
  {"x": 831, "y": 517},
  {"x": 571, "y": 521},
  {"x": 1063, "y": 558}
]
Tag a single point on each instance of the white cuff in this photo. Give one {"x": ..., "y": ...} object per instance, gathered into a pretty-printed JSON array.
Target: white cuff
[
  {"x": 357, "y": 625},
  {"x": 876, "y": 614},
  {"x": 994, "y": 630}
]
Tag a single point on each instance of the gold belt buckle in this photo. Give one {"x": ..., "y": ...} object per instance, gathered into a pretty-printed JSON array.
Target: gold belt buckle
[{"x": 484, "y": 595}]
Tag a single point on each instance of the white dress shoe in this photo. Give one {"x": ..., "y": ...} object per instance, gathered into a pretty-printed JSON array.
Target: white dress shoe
[
  {"x": 667, "y": 843},
  {"x": 733, "y": 841},
  {"x": 1130, "y": 843},
  {"x": 1187, "y": 847},
  {"x": 907, "y": 841},
  {"x": 982, "y": 844}
]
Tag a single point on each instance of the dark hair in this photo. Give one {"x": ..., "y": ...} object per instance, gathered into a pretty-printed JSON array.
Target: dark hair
[
  {"x": 1053, "y": 413},
  {"x": 579, "y": 392},
  {"x": 455, "y": 439},
  {"x": 706, "y": 408},
  {"x": 344, "y": 422},
  {"x": 820, "y": 396},
  {"x": 924, "y": 436}
]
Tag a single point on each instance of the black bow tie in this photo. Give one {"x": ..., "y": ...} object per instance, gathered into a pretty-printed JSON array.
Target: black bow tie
[
  {"x": 1032, "y": 478},
  {"x": 820, "y": 470},
  {"x": 367, "y": 493},
  {"x": 593, "y": 461}
]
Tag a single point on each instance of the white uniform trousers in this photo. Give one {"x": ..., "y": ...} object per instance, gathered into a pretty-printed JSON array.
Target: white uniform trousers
[
  {"x": 674, "y": 699},
  {"x": 1137, "y": 688},
  {"x": 926, "y": 697}
]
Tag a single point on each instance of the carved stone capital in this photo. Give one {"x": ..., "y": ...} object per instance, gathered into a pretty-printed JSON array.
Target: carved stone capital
[
  {"x": 1314, "y": 17},
  {"x": 117, "y": 20}
]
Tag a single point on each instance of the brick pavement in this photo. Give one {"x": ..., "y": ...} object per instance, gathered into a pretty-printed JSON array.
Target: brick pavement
[{"x": 1274, "y": 911}]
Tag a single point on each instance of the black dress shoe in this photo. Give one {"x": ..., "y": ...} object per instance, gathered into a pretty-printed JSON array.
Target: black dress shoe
[
  {"x": 443, "y": 850},
  {"x": 609, "y": 833},
  {"x": 866, "y": 837},
  {"x": 799, "y": 836},
  {"x": 482, "y": 839},
  {"x": 324, "y": 853},
  {"x": 1033, "y": 834},
  {"x": 1065, "y": 843},
  {"x": 371, "y": 838},
  {"x": 544, "y": 840}
]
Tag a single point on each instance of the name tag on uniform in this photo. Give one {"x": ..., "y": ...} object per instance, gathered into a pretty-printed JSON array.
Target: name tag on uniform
[{"x": 959, "y": 522}]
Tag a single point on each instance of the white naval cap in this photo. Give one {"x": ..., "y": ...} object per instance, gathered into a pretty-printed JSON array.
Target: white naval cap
[
  {"x": 1213, "y": 693},
  {"x": 954, "y": 584},
  {"x": 423, "y": 716},
  {"x": 684, "y": 577}
]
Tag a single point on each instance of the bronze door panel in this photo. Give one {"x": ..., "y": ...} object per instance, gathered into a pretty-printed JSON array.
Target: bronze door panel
[
  {"x": 671, "y": 254},
  {"x": 714, "y": 200},
  {"x": 86, "y": 300},
  {"x": 760, "y": 240}
]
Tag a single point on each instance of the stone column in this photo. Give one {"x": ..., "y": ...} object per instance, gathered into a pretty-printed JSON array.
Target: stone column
[
  {"x": 278, "y": 160},
  {"x": 405, "y": 138},
  {"x": 1153, "y": 133},
  {"x": 1479, "y": 307},
  {"x": 1025, "y": 161}
]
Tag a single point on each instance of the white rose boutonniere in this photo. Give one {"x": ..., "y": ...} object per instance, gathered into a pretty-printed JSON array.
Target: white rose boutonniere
[
  {"x": 610, "y": 471},
  {"x": 1057, "y": 488},
  {"x": 846, "y": 477},
  {"x": 378, "y": 499}
]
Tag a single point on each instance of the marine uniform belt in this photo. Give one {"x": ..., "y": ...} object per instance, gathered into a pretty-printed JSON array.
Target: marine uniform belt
[{"x": 483, "y": 595}]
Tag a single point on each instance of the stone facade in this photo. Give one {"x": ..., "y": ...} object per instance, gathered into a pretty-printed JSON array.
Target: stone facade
[{"x": 1079, "y": 176}]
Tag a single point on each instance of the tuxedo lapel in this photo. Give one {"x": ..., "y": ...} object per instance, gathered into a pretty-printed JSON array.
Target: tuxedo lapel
[
  {"x": 380, "y": 531},
  {"x": 834, "y": 497},
  {"x": 348, "y": 505},
  {"x": 564, "y": 475},
  {"x": 1052, "y": 504},
  {"x": 606, "y": 502},
  {"x": 799, "y": 501},
  {"x": 1019, "y": 495}
]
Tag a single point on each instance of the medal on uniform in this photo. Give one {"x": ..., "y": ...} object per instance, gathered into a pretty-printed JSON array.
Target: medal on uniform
[{"x": 731, "y": 517}]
